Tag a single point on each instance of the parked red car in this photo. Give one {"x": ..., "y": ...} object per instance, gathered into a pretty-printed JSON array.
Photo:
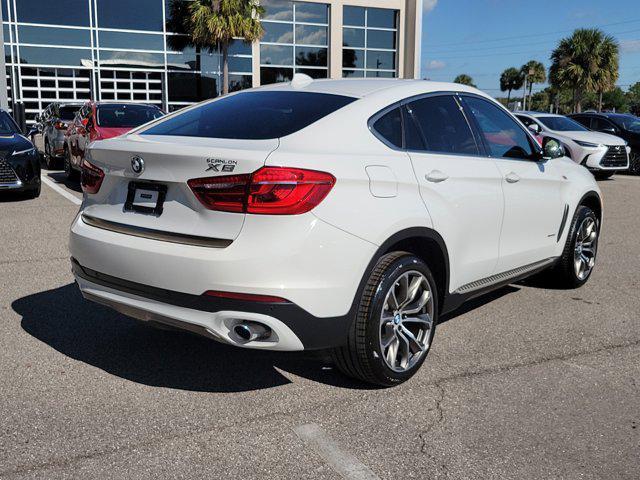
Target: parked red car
[{"x": 99, "y": 121}]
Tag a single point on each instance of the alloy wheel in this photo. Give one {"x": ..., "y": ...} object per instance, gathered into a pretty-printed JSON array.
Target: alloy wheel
[
  {"x": 406, "y": 321},
  {"x": 584, "y": 256}
]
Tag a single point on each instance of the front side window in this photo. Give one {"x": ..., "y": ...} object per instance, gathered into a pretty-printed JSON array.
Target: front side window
[
  {"x": 389, "y": 127},
  {"x": 601, "y": 124},
  {"x": 126, "y": 116},
  {"x": 252, "y": 115},
  {"x": 67, "y": 113},
  {"x": 628, "y": 122},
  {"x": 442, "y": 125},
  {"x": 501, "y": 133}
]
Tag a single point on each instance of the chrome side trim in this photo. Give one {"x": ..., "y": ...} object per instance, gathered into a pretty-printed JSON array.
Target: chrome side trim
[
  {"x": 159, "y": 235},
  {"x": 504, "y": 276}
]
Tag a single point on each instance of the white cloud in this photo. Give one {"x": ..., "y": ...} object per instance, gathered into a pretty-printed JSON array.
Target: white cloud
[
  {"x": 436, "y": 65},
  {"x": 628, "y": 46},
  {"x": 429, "y": 5}
]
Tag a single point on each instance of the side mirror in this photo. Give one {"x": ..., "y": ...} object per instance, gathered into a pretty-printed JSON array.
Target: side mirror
[
  {"x": 552, "y": 148},
  {"x": 535, "y": 128}
]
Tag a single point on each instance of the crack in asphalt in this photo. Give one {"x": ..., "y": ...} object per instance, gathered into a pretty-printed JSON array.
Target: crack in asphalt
[{"x": 61, "y": 463}]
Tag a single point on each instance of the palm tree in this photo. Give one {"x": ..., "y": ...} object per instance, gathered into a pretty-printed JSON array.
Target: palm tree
[
  {"x": 213, "y": 24},
  {"x": 510, "y": 79},
  {"x": 535, "y": 73},
  {"x": 464, "y": 79},
  {"x": 585, "y": 62}
]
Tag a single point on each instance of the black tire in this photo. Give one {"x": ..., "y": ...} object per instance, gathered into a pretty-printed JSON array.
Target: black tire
[
  {"x": 564, "y": 273},
  {"x": 34, "y": 192},
  {"x": 49, "y": 161},
  {"x": 603, "y": 175},
  {"x": 70, "y": 172},
  {"x": 634, "y": 163},
  {"x": 362, "y": 357}
]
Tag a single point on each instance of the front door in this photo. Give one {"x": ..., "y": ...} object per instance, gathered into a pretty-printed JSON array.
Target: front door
[
  {"x": 460, "y": 187},
  {"x": 533, "y": 209}
]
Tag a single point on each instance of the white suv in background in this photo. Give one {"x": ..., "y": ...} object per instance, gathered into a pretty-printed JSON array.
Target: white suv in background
[
  {"x": 601, "y": 153},
  {"x": 330, "y": 214}
]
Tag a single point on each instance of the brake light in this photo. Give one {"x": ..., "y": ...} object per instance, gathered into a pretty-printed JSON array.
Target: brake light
[
  {"x": 246, "y": 296},
  {"x": 60, "y": 125},
  {"x": 268, "y": 191},
  {"x": 91, "y": 177}
]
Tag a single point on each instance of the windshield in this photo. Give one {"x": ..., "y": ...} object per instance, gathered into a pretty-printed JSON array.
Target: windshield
[
  {"x": 252, "y": 115},
  {"x": 7, "y": 126},
  {"x": 126, "y": 116},
  {"x": 627, "y": 122},
  {"x": 68, "y": 113},
  {"x": 562, "y": 124}
]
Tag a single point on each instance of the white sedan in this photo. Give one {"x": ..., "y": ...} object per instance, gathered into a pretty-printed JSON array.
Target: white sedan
[{"x": 601, "y": 153}]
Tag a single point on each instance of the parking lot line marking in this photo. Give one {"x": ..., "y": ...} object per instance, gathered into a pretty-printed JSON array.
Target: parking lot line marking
[
  {"x": 340, "y": 460},
  {"x": 61, "y": 191}
]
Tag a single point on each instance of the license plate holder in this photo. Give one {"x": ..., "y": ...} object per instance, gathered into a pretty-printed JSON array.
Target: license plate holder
[{"x": 146, "y": 198}]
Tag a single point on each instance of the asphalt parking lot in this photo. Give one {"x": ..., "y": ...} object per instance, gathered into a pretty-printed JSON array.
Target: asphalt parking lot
[{"x": 524, "y": 383}]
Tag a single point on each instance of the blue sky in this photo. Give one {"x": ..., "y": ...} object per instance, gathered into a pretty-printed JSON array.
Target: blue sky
[{"x": 483, "y": 37}]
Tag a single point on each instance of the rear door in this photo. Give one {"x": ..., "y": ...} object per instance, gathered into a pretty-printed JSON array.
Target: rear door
[
  {"x": 460, "y": 187},
  {"x": 533, "y": 210}
]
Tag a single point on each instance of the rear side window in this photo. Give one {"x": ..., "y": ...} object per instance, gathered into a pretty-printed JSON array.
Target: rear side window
[
  {"x": 68, "y": 113},
  {"x": 389, "y": 127},
  {"x": 252, "y": 115},
  {"x": 443, "y": 127},
  {"x": 502, "y": 134}
]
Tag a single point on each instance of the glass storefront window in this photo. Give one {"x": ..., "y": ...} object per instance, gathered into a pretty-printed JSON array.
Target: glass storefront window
[
  {"x": 54, "y": 36},
  {"x": 137, "y": 41},
  {"x": 296, "y": 34},
  {"x": 369, "y": 42},
  {"x": 54, "y": 56},
  {"x": 60, "y": 12},
  {"x": 131, "y": 59},
  {"x": 130, "y": 15}
]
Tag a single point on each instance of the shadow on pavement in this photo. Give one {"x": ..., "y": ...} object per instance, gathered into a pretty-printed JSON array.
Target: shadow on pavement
[
  {"x": 124, "y": 347},
  {"x": 61, "y": 178},
  {"x": 129, "y": 349}
]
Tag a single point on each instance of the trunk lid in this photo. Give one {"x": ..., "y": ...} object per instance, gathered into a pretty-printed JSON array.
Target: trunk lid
[{"x": 171, "y": 161}]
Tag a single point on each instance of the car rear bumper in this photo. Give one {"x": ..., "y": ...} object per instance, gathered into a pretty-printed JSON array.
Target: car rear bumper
[{"x": 292, "y": 328}]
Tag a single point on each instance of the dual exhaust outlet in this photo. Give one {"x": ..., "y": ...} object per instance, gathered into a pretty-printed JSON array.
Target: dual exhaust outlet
[{"x": 252, "y": 331}]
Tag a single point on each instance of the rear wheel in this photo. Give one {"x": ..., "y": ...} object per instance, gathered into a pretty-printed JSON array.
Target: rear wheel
[
  {"x": 395, "y": 322},
  {"x": 68, "y": 168},
  {"x": 579, "y": 255}
]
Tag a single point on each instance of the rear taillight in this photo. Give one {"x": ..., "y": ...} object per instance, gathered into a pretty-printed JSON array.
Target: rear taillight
[
  {"x": 268, "y": 191},
  {"x": 60, "y": 126},
  {"x": 91, "y": 177}
]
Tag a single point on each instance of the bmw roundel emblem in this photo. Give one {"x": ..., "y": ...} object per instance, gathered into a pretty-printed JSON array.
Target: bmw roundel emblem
[{"x": 137, "y": 165}]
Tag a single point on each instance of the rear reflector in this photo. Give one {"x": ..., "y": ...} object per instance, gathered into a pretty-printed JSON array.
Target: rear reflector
[
  {"x": 91, "y": 177},
  {"x": 268, "y": 191},
  {"x": 246, "y": 296}
]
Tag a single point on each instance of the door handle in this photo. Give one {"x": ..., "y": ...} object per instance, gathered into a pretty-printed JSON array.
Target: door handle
[
  {"x": 512, "y": 177},
  {"x": 436, "y": 176}
]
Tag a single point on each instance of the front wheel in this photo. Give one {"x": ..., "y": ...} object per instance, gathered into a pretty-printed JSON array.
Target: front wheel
[
  {"x": 603, "y": 175},
  {"x": 395, "y": 322}
]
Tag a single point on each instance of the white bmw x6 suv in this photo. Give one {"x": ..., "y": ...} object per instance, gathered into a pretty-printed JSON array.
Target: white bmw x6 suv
[{"x": 330, "y": 214}]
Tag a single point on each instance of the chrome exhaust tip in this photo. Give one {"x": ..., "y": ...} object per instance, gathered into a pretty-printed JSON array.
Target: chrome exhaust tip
[{"x": 252, "y": 331}]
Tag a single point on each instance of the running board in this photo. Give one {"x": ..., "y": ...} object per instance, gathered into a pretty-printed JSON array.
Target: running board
[{"x": 504, "y": 276}]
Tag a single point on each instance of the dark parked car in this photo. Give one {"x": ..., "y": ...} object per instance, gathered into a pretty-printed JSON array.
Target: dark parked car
[
  {"x": 50, "y": 127},
  {"x": 99, "y": 121},
  {"x": 623, "y": 125},
  {"x": 19, "y": 160}
]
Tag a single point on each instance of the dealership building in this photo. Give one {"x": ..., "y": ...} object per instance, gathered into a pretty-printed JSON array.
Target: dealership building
[{"x": 71, "y": 50}]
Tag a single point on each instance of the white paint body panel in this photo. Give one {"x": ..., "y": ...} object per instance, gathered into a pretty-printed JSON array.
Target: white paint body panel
[{"x": 317, "y": 260}]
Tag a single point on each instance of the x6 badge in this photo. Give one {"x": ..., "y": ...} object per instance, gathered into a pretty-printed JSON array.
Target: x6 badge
[{"x": 219, "y": 165}]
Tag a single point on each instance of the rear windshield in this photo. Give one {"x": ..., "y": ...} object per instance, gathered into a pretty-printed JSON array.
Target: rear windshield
[
  {"x": 68, "y": 113},
  {"x": 126, "y": 116},
  {"x": 562, "y": 124},
  {"x": 252, "y": 115}
]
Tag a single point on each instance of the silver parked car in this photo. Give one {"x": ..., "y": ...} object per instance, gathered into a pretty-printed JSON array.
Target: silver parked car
[{"x": 49, "y": 130}]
